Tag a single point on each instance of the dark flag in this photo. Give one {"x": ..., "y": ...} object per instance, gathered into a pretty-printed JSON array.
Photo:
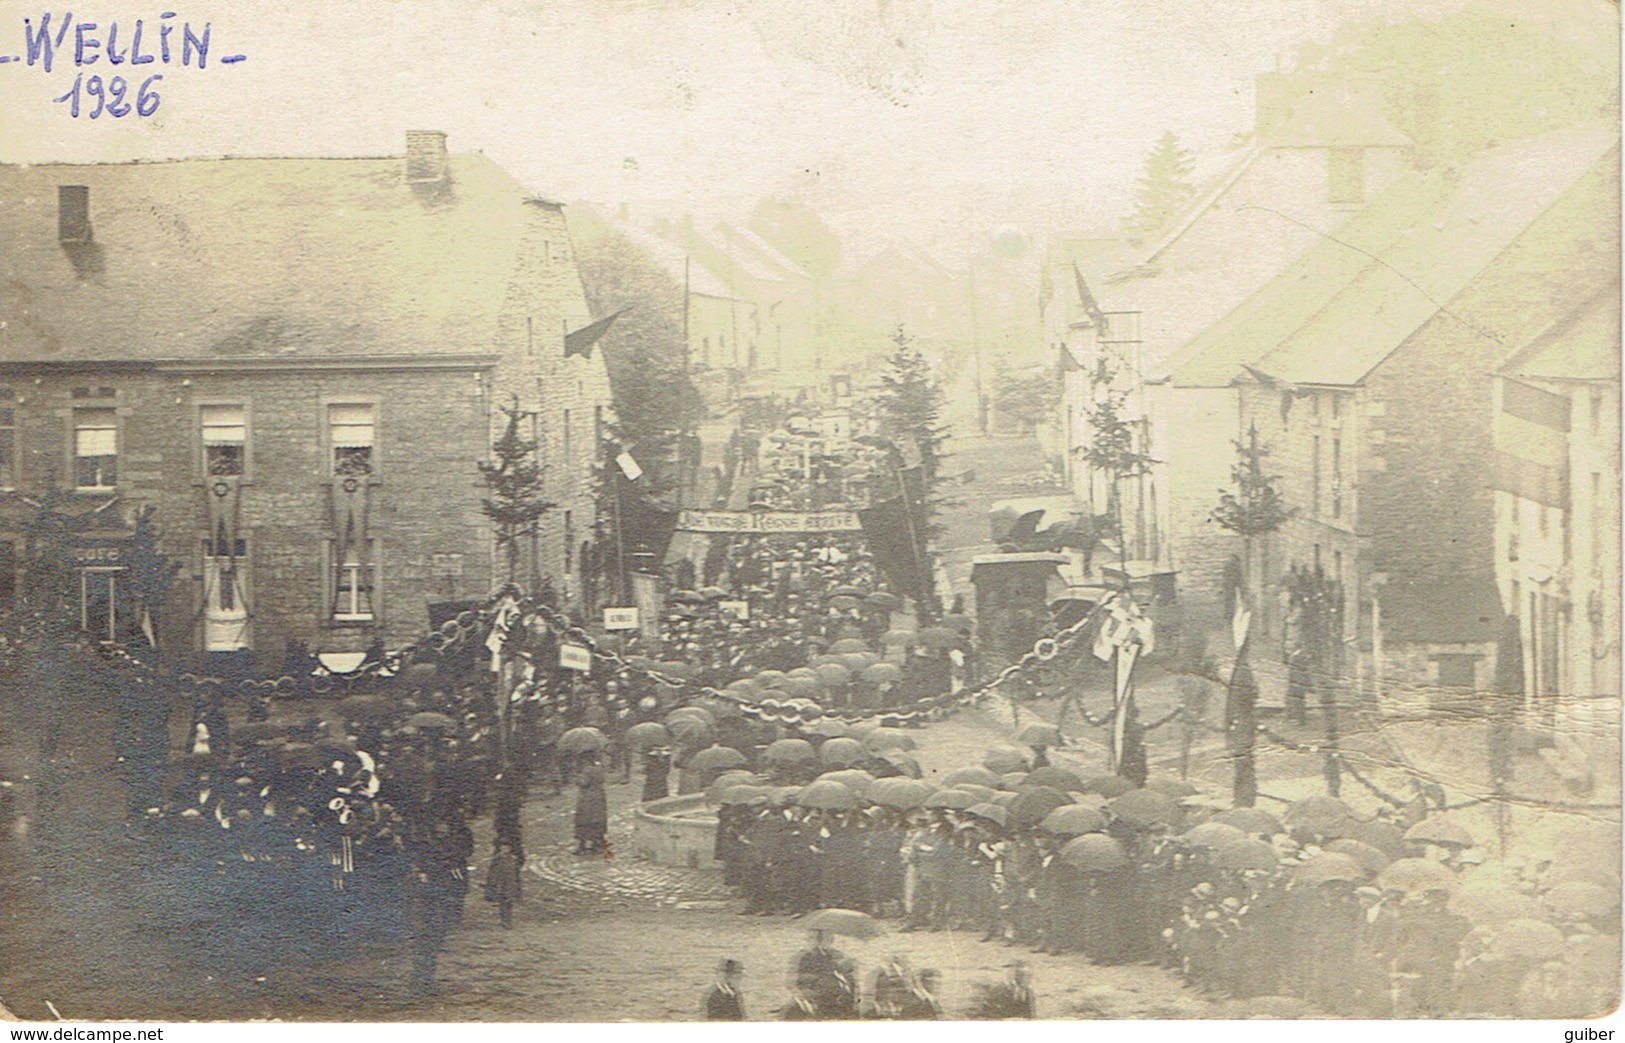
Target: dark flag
[
  {"x": 646, "y": 526},
  {"x": 1091, "y": 307},
  {"x": 1241, "y": 721},
  {"x": 581, "y": 341},
  {"x": 895, "y": 530}
]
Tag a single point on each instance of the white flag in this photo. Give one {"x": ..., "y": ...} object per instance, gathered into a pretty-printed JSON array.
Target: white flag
[{"x": 629, "y": 467}]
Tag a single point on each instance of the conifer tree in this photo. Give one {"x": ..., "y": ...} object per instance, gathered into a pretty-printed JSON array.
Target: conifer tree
[
  {"x": 1164, "y": 188},
  {"x": 515, "y": 505}
]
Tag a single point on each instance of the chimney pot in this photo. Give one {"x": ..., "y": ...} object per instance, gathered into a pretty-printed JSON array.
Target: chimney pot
[
  {"x": 73, "y": 213},
  {"x": 425, "y": 155}
]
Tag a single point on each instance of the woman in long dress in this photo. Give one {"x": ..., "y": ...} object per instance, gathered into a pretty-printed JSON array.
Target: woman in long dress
[{"x": 592, "y": 808}]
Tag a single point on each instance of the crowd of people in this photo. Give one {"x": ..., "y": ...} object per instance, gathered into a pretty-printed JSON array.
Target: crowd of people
[{"x": 1353, "y": 917}]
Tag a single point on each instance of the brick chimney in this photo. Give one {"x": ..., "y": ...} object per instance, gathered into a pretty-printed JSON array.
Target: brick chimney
[
  {"x": 425, "y": 155},
  {"x": 73, "y": 213}
]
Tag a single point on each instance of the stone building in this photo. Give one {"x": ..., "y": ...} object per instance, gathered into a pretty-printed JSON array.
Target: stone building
[
  {"x": 298, "y": 363},
  {"x": 1557, "y": 516}
]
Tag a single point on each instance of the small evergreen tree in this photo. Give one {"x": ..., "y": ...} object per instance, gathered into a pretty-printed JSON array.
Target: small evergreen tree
[
  {"x": 1164, "y": 188},
  {"x": 515, "y": 505},
  {"x": 1114, "y": 450},
  {"x": 910, "y": 404}
]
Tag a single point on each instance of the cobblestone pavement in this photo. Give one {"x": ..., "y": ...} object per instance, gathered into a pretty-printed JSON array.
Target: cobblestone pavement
[{"x": 626, "y": 876}]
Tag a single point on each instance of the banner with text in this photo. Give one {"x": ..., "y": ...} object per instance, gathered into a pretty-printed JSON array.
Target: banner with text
[{"x": 768, "y": 521}]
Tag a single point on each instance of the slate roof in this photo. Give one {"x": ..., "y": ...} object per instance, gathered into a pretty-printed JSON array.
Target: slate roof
[
  {"x": 1583, "y": 345},
  {"x": 1351, "y": 299},
  {"x": 206, "y": 258}
]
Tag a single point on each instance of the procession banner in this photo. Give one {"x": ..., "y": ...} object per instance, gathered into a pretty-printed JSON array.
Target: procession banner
[
  {"x": 575, "y": 657},
  {"x": 620, "y": 619},
  {"x": 646, "y": 592},
  {"x": 768, "y": 521}
]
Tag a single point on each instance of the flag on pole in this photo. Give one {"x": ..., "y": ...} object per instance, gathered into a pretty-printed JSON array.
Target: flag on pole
[
  {"x": 1091, "y": 307},
  {"x": 581, "y": 341},
  {"x": 629, "y": 467}
]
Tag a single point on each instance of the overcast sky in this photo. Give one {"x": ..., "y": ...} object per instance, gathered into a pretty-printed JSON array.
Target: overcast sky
[{"x": 931, "y": 120}]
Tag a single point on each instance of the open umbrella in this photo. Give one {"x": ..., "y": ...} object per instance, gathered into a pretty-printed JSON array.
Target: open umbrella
[
  {"x": 1073, "y": 820},
  {"x": 952, "y": 799},
  {"x": 1250, "y": 821},
  {"x": 1439, "y": 831},
  {"x": 827, "y": 728},
  {"x": 699, "y": 713},
  {"x": 1040, "y": 735},
  {"x": 1328, "y": 866},
  {"x": 803, "y": 671},
  {"x": 899, "y": 793},
  {"x": 980, "y": 776},
  {"x": 740, "y": 794},
  {"x": 991, "y": 812},
  {"x": 1033, "y": 805},
  {"x": 691, "y": 596},
  {"x": 882, "y": 739},
  {"x": 882, "y": 673},
  {"x": 772, "y": 678},
  {"x": 853, "y": 779},
  {"x": 429, "y": 719},
  {"x": 1488, "y": 906},
  {"x": 1529, "y": 938},
  {"x": 1212, "y": 835},
  {"x": 828, "y": 796},
  {"x": 1416, "y": 876},
  {"x": 582, "y": 740},
  {"x": 1064, "y": 779},
  {"x": 978, "y": 791},
  {"x": 1319, "y": 818},
  {"x": 1145, "y": 809},
  {"x": 1107, "y": 785},
  {"x": 648, "y": 734},
  {"x": 1384, "y": 836},
  {"x": 842, "y": 753},
  {"x": 832, "y": 675},
  {"x": 1578, "y": 898},
  {"x": 847, "y": 645},
  {"x": 790, "y": 751},
  {"x": 1003, "y": 760},
  {"x": 848, "y": 922},
  {"x": 902, "y": 762},
  {"x": 1012, "y": 780},
  {"x": 844, "y": 604},
  {"x": 884, "y": 600},
  {"x": 1372, "y": 860},
  {"x": 1246, "y": 855},
  {"x": 938, "y": 638},
  {"x": 687, "y": 729},
  {"x": 712, "y": 593},
  {"x": 714, "y": 757},
  {"x": 802, "y": 688},
  {"x": 1094, "y": 852},
  {"x": 848, "y": 591},
  {"x": 900, "y": 638},
  {"x": 858, "y": 662}
]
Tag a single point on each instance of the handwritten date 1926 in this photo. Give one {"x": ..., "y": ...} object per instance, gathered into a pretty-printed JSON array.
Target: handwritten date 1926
[{"x": 111, "y": 96}]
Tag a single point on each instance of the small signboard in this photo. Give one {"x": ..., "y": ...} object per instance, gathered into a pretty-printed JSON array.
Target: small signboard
[
  {"x": 736, "y": 609},
  {"x": 620, "y": 619},
  {"x": 575, "y": 657}
]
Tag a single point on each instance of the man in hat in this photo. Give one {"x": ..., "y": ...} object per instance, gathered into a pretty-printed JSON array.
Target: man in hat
[
  {"x": 724, "y": 1002},
  {"x": 828, "y": 978}
]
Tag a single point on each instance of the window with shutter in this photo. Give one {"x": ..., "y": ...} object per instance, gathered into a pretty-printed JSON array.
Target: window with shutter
[
  {"x": 225, "y": 439},
  {"x": 95, "y": 448},
  {"x": 352, "y": 429}
]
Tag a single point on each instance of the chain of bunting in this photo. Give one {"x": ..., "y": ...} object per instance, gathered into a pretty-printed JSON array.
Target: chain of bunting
[{"x": 474, "y": 623}]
